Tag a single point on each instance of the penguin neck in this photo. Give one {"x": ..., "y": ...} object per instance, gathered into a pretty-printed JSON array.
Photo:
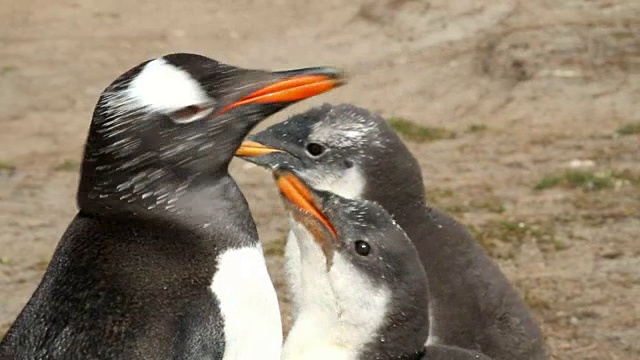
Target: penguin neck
[
  {"x": 400, "y": 191},
  {"x": 210, "y": 203},
  {"x": 409, "y": 211},
  {"x": 329, "y": 323}
]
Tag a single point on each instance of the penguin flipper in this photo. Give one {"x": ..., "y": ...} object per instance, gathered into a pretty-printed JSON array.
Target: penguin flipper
[{"x": 445, "y": 352}]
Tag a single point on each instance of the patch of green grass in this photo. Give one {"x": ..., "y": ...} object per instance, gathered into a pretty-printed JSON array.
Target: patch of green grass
[
  {"x": 502, "y": 237},
  {"x": 588, "y": 181},
  {"x": 4, "y": 260},
  {"x": 558, "y": 244},
  {"x": 454, "y": 203},
  {"x": 623, "y": 35},
  {"x": 628, "y": 129},
  {"x": 438, "y": 197},
  {"x": 490, "y": 204},
  {"x": 475, "y": 128},
  {"x": 6, "y": 69},
  {"x": 67, "y": 165},
  {"x": 445, "y": 200},
  {"x": 7, "y": 168},
  {"x": 418, "y": 133},
  {"x": 438, "y": 193},
  {"x": 577, "y": 179},
  {"x": 42, "y": 264},
  {"x": 535, "y": 301},
  {"x": 510, "y": 230},
  {"x": 493, "y": 246},
  {"x": 275, "y": 247},
  {"x": 548, "y": 181}
]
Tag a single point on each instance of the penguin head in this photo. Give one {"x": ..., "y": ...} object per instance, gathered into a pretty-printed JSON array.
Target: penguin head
[
  {"x": 185, "y": 114},
  {"x": 372, "y": 271},
  {"x": 343, "y": 149}
]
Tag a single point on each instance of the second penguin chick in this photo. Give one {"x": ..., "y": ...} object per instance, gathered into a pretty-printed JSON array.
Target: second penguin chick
[{"x": 363, "y": 287}]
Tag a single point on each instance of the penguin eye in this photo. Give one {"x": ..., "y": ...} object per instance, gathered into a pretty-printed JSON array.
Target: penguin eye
[
  {"x": 315, "y": 149},
  {"x": 190, "y": 113},
  {"x": 362, "y": 248}
]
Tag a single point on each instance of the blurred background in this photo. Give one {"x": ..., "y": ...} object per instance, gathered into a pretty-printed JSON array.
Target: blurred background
[{"x": 525, "y": 117}]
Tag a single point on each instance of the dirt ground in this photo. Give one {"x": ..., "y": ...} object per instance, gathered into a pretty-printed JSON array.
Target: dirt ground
[{"x": 542, "y": 97}]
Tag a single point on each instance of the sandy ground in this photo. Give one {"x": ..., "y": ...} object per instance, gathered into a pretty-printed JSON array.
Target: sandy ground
[{"x": 532, "y": 89}]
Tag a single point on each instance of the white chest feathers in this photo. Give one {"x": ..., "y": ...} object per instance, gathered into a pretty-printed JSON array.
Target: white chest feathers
[
  {"x": 249, "y": 306},
  {"x": 292, "y": 271},
  {"x": 337, "y": 312}
]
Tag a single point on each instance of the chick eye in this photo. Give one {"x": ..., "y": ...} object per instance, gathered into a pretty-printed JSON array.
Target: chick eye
[
  {"x": 362, "y": 248},
  {"x": 315, "y": 149},
  {"x": 190, "y": 113}
]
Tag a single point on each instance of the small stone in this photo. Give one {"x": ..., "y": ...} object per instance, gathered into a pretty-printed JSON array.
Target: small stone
[
  {"x": 611, "y": 254},
  {"x": 581, "y": 164},
  {"x": 574, "y": 320}
]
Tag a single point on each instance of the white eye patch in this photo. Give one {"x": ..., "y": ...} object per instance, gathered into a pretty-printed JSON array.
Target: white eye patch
[
  {"x": 165, "y": 88},
  {"x": 349, "y": 184}
]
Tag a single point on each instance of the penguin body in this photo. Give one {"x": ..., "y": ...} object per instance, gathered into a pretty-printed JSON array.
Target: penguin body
[{"x": 162, "y": 260}]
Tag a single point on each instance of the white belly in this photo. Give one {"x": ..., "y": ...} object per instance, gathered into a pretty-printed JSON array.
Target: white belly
[
  {"x": 308, "y": 340},
  {"x": 317, "y": 353},
  {"x": 292, "y": 272},
  {"x": 249, "y": 305}
]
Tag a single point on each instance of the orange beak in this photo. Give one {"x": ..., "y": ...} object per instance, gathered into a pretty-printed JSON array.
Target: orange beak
[
  {"x": 290, "y": 89},
  {"x": 252, "y": 148},
  {"x": 298, "y": 194}
]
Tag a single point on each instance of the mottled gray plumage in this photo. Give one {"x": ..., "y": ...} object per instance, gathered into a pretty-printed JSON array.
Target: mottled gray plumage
[{"x": 389, "y": 270}]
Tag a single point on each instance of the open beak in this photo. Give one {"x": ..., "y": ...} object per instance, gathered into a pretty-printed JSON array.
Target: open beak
[
  {"x": 292, "y": 86},
  {"x": 298, "y": 194},
  {"x": 250, "y": 148}
]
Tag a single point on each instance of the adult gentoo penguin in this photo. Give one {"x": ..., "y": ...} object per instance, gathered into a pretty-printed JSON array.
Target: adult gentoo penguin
[
  {"x": 162, "y": 260},
  {"x": 354, "y": 153},
  {"x": 362, "y": 285}
]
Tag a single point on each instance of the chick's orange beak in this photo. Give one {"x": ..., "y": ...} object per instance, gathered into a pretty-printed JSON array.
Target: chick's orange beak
[
  {"x": 251, "y": 148},
  {"x": 299, "y": 195}
]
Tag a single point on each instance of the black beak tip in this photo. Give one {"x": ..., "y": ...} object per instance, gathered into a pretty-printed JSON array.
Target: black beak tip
[
  {"x": 328, "y": 71},
  {"x": 332, "y": 72}
]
